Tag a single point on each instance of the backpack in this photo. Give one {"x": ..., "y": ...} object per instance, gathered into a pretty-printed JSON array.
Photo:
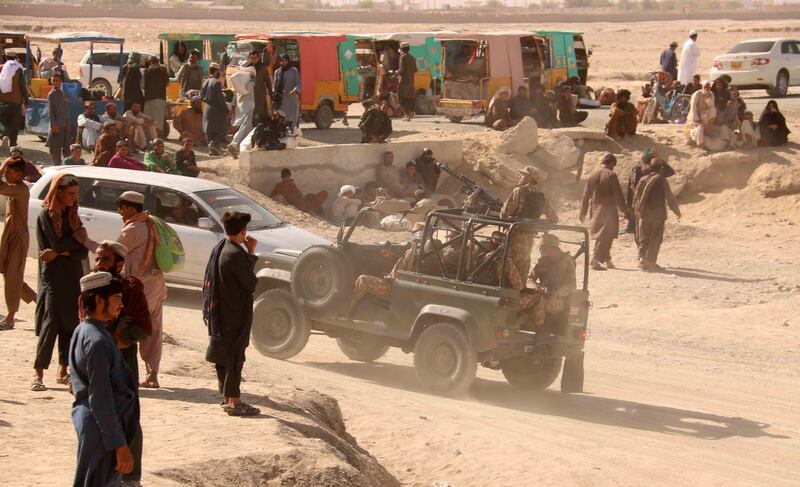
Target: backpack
[{"x": 168, "y": 253}]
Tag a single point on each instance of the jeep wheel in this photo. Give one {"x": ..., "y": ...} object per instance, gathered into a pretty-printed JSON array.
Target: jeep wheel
[
  {"x": 781, "y": 85},
  {"x": 362, "y": 349},
  {"x": 444, "y": 360},
  {"x": 321, "y": 281},
  {"x": 280, "y": 330},
  {"x": 531, "y": 374}
]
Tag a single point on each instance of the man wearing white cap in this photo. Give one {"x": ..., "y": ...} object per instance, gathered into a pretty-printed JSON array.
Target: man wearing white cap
[
  {"x": 526, "y": 201},
  {"x": 346, "y": 206},
  {"x": 105, "y": 412},
  {"x": 140, "y": 237},
  {"x": 690, "y": 55}
]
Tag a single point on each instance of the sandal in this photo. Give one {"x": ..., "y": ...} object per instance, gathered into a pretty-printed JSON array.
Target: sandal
[
  {"x": 38, "y": 386},
  {"x": 6, "y": 324},
  {"x": 150, "y": 384},
  {"x": 241, "y": 409},
  {"x": 62, "y": 380}
]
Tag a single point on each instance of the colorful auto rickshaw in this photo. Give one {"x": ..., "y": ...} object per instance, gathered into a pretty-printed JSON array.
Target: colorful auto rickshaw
[
  {"x": 16, "y": 44},
  {"x": 476, "y": 65},
  {"x": 369, "y": 49},
  {"x": 210, "y": 46},
  {"x": 565, "y": 56},
  {"x": 323, "y": 96},
  {"x": 37, "y": 116}
]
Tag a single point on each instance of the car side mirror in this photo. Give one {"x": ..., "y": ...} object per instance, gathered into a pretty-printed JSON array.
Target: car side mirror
[{"x": 205, "y": 223}]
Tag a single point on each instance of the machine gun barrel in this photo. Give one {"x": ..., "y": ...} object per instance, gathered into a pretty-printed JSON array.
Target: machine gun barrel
[{"x": 471, "y": 187}]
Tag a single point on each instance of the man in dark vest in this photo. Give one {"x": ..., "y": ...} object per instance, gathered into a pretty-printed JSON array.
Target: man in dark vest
[{"x": 527, "y": 202}]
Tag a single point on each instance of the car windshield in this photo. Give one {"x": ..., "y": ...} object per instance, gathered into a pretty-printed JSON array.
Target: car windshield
[
  {"x": 222, "y": 200},
  {"x": 752, "y": 46}
]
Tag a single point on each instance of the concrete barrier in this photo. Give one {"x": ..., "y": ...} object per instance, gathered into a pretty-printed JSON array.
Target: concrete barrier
[{"x": 328, "y": 167}]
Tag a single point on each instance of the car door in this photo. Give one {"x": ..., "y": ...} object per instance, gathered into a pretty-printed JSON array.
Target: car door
[
  {"x": 793, "y": 63},
  {"x": 185, "y": 216},
  {"x": 98, "y": 207}
]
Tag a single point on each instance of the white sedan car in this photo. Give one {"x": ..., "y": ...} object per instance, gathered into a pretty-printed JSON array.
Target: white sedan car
[
  {"x": 104, "y": 69},
  {"x": 193, "y": 207},
  {"x": 771, "y": 64}
]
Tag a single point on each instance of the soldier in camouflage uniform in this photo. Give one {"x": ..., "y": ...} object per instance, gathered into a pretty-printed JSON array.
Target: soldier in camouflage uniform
[
  {"x": 525, "y": 201},
  {"x": 555, "y": 273}
]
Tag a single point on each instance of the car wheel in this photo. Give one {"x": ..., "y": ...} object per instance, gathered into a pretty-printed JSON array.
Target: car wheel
[
  {"x": 323, "y": 117},
  {"x": 321, "y": 281},
  {"x": 101, "y": 84},
  {"x": 455, "y": 119},
  {"x": 280, "y": 330},
  {"x": 362, "y": 349},
  {"x": 781, "y": 85},
  {"x": 444, "y": 360},
  {"x": 530, "y": 373}
]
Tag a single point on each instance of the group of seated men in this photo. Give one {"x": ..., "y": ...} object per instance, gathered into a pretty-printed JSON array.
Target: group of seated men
[{"x": 556, "y": 109}]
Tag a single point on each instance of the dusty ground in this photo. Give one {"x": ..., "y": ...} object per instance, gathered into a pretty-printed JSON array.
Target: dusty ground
[{"x": 691, "y": 375}]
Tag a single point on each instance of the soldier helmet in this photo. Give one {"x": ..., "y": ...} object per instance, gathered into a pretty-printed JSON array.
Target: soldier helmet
[
  {"x": 533, "y": 172},
  {"x": 550, "y": 240}
]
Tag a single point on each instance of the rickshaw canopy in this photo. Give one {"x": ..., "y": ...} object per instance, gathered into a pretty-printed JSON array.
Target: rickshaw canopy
[
  {"x": 67, "y": 37},
  {"x": 196, "y": 37},
  {"x": 505, "y": 52},
  {"x": 12, "y": 40}
]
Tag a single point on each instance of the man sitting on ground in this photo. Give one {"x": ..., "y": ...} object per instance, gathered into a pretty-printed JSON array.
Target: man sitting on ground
[
  {"x": 269, "y": 131},
  {"x": 157, "y": 160},
  {"x": 106, "y": 145},
  {"x": 545, "y": 108},
  {"x": 74, "y": 158},
  {"x": 92, "y": 125},
  {"x": 521, "y": 106},
  {"x": 622, "y": 118},
  {"x": 291, "y": 194},
  {"x": 568, "y": 113},
  {"x": 185, "y": 161},
  {"x": 346, "y": 206},
  {"x": 122, "y": 160},
  {"x": 410, "y": 180},
  {"x": 143, "y": 127},
  {"x": 388, "y": 176},
  {"x": 189, "y": 122},
  {"x": 375, "y": 124}
]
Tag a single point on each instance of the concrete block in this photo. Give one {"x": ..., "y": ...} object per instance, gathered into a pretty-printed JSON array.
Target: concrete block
[{"x": 328, "y": 167}]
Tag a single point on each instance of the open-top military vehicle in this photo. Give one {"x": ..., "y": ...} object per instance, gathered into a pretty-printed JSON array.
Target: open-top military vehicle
[{"x": 451, "y": 306}]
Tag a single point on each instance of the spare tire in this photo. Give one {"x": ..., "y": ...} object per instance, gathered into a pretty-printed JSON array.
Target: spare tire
[
  {"x": 279, "y": 330},
  {"x": 531, "y": 374},
  {"x": 322, "y": 281}
]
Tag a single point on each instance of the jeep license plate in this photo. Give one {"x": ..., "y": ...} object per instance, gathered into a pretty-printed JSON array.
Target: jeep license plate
[
  {"x": 736, "y": 65},
  {"x": 529, "y": 348}
]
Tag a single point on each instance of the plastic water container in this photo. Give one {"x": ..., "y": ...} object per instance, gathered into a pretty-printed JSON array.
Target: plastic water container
[{"x": 72, "y": 90}]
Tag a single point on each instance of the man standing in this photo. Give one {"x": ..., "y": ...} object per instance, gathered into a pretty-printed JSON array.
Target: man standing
[
  {"x": 156, "y": 80},
  {"x": 690, "y": 55},
  {"x": 13, "y": 100},
  {"x": 287, "y": 92},
  {"x": 91, "y": 125},
  {"x": 106, "y": 145},
  {"x": 105, "y": 412},
  {"x": 637, "y": 172},
  {"x": 140, "y": 236},
  {"x": 144, "y": 127},
  {"x": 669, "y": 60},
  {"x": 60, "y": 234},
  {"x": 428, "y": 169},
  {"x": 604, "y": 194},
  {"x": 230, "y": 282},
  {"x": 215, "y": 114},
  {"x": 262, "y": 88},
  {"x": 58, "y": 138},
  {"x": 243, "y": 82},
  {"x": 15, "y": 239},
  {"x": 190, "y": 76},
  {"x": 131, "y": 326},
  {"x": 406, "y": 90},
  {"x": 526, "y": 201},
  {"x": 650, "y": 202}
]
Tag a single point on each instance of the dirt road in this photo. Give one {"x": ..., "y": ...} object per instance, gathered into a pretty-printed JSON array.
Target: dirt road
[{"x": 691, "y": 380}]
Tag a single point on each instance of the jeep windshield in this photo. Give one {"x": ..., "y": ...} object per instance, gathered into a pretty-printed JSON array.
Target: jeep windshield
[{"x": 222, "y": 200}]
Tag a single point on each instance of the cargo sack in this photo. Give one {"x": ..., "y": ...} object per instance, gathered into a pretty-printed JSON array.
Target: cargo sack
[{"x": 168, "y": 253}]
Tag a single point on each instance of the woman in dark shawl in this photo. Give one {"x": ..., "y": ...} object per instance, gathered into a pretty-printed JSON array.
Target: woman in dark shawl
[{"x": 772, "y": 123}]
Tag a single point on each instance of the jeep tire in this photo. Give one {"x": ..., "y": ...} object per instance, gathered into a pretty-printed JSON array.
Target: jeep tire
[
  {"x": 280, "y": 330},
  {"x": 321, "y": 281},
  {"x": 362, "y": 349},
  {"x": 444, "y": 360},
  {"x": 530, "y": 373}
]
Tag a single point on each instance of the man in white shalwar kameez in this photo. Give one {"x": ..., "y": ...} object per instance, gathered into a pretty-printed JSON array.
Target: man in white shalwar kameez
[{"x": 690, "y": 56}]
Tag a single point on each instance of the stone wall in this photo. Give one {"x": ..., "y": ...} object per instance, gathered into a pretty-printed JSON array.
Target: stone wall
[{"x": 328, "y": 167}]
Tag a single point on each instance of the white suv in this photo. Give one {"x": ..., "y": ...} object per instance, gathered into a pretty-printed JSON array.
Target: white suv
[
  {"x": 105, "y": 69},
  {"x": 192, "y": 206},
  {"x": 771, "y": 64}
]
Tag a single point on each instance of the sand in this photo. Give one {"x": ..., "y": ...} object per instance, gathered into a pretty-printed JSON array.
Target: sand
[{"x": 691, "y": 375}]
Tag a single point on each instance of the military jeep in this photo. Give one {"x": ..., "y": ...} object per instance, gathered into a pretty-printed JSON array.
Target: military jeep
[{"x": 443, "y": 308}]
